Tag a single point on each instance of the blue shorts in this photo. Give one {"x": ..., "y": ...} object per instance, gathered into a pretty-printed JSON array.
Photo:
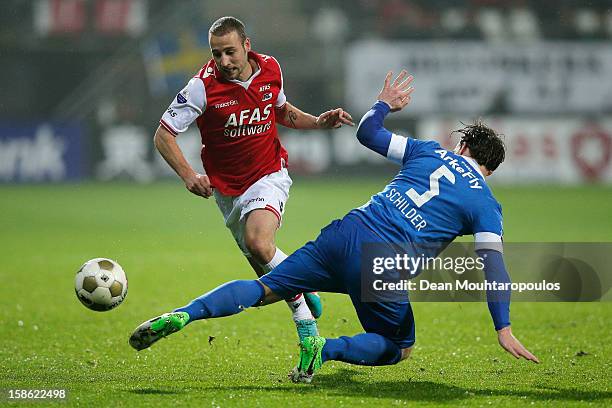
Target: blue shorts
[{"x": 331, "y": 263}]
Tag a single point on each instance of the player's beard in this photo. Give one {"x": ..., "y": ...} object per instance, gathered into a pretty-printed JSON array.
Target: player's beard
[
  {"x": 236, "y": 71},
  {"x": 232, "y": 74}
]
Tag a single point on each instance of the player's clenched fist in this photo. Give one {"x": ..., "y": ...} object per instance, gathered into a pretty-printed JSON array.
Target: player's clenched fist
[
  {"x": 397, "y": 94},
  {"x": 199, "y": 184}
]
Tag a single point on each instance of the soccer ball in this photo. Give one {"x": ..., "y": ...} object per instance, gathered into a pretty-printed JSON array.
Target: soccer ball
[{"x": 101, "y": 284}]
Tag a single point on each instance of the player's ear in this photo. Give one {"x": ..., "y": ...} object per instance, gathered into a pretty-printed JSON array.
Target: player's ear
[
  {"x": 460, "y": 148},
  {"x": 247, "y": 44},
  {"x": 457, "y": 148}
]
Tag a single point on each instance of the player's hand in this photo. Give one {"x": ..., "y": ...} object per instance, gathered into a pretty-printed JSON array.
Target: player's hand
[
  {"x": 513, "y": 346},
  {"x": 199, "y": 184},
  {"x": 397, "y": 94},
  {"x": 334, "y": 119}
]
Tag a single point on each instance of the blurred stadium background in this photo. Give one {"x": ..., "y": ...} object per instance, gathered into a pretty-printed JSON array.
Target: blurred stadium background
[{"x": 84, "y": 82}]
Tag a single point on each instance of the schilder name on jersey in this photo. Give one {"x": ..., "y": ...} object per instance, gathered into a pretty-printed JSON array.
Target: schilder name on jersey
[{"x": 248, "y": 122}]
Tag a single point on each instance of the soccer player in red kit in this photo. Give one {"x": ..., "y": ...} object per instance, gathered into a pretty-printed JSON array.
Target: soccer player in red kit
[{"x": 236, "y": 99}]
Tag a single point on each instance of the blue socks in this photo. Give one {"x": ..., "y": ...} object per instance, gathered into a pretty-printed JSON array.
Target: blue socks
[
  {"x": 225, "y": 300},
  {"x": 233, "y": 297},
  {"x": 368, "y": 349}
]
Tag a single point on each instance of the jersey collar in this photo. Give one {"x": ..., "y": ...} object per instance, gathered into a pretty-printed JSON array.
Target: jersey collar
[
  {"x": 475, "y": 165},
  {"x": 247, "y": 83}
]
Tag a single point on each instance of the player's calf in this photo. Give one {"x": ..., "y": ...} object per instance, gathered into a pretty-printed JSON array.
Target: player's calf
[
  {"x": 304, "y": 310},
  {"x": 225, "y": 300},
  {"x": 368, "y": 349}
]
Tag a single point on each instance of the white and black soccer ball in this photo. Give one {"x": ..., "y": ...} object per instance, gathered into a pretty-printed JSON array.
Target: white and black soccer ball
[{"x": 101, "y": 284}]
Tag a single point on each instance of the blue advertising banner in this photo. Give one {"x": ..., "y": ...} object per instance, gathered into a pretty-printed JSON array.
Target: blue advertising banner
[{"x": 41, "y": 152}]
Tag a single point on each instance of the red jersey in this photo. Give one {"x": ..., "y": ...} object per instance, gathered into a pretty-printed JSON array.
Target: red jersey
[{"x": 237, "y": 123}]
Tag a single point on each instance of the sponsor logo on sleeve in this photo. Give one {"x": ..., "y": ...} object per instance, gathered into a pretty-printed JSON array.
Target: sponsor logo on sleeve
[{"x": 180, "y": 98}]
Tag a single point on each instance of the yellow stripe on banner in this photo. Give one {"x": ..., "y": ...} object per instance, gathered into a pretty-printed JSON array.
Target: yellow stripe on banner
[{"x": 190, "y": 57}]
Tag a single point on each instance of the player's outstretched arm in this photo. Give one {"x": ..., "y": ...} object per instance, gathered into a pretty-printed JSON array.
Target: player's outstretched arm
[
  {"x": 198, "y": 184},
  {"x": 499, "y": 304},
  {"x": 371, "y": 133},
  {"x": 292, "y": 117}
]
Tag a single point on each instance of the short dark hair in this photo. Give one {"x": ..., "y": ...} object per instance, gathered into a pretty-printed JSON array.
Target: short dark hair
[
  {"x": 486, "y": 146},
  {"x": 226, "y": 25}
]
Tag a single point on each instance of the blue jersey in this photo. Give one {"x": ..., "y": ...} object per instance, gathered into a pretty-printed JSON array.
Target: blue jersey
[{"x": 436, "y": 196}]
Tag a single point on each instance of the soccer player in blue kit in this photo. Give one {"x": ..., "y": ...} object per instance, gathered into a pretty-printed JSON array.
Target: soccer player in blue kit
[{"x": 436, "y": 196}]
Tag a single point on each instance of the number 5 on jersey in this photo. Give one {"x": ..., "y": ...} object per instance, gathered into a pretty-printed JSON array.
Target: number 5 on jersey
[{"x": 434, "y": 186}]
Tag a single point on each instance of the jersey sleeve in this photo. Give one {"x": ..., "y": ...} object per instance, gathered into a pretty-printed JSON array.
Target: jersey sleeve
[
  {"x": 498, "y": 300},
  {"x": 281, "y": 99},
  {"x": 372, "y": 134},
  {"x": 189, "y": 103},
  {"x": 488, "y": 227}
]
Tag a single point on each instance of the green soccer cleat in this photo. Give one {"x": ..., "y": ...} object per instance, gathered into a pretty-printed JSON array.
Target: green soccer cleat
[
  {"x": 152, "y": 330},
  {"x": 313, "y": 300},
  {"x": 310, "y": 359}
]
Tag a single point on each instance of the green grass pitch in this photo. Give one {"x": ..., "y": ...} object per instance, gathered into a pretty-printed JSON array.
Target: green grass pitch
[{"x": 175, "y": 247}]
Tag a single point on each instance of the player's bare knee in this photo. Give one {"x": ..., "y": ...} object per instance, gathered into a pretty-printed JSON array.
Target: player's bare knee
[{"x": 261, "y": 249}]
